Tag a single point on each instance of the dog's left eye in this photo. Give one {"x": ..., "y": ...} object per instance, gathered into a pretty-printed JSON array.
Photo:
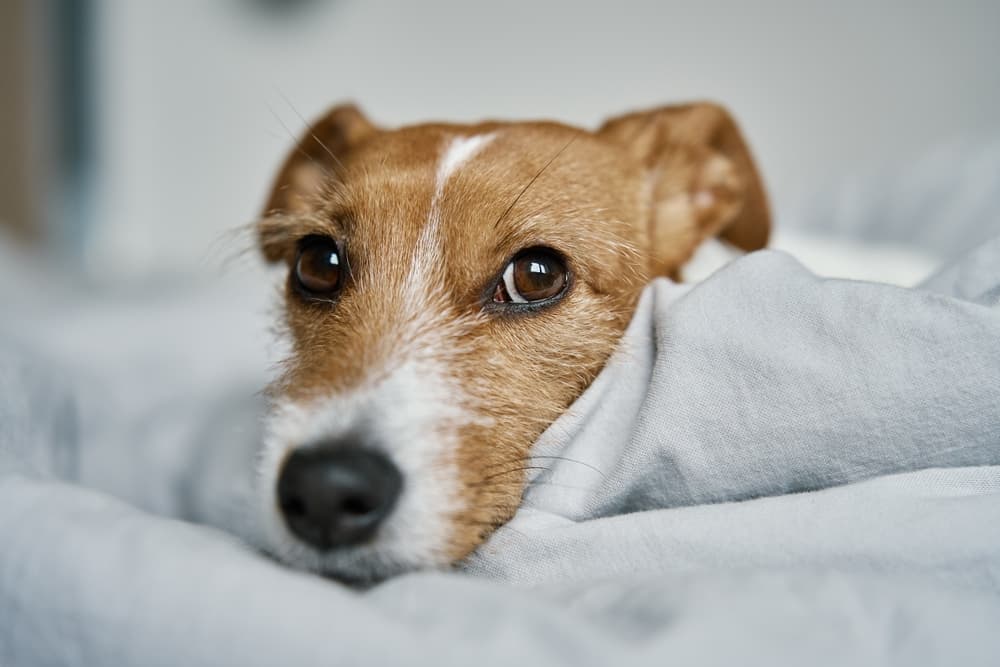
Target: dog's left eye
[
  {"x": 534, "y": 275},
  {"x": 319, "y": 267}
]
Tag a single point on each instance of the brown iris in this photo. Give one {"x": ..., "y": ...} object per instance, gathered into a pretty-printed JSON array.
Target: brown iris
[
  {"x": 536, "y": 274},
  {"x": 319, "y": 267}
]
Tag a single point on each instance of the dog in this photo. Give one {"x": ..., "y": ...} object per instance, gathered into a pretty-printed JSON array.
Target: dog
[{"x": 451, "y": 290}]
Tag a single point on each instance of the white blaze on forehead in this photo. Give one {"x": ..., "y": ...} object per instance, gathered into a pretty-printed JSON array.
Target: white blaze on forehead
[
  {"x": 426, "y": 254},
  {"x": 459, "y": 151}
]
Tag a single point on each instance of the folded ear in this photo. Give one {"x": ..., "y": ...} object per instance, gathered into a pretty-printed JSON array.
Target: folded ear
[
  {"x": 310, "y": 167},
  {"x": 702, "y": 180}
]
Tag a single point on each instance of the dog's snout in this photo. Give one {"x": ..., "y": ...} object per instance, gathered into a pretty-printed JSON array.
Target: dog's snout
[{"x": 337, "y": 494}]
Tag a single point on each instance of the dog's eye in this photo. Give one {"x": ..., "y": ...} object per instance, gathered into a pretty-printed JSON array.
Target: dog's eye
[
  {"x": 319, "y": 267},
  {"x": 534, "y": 275}
]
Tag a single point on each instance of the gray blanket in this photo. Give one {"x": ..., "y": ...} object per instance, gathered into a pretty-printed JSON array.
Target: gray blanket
[{"x": 773, "y": 469}]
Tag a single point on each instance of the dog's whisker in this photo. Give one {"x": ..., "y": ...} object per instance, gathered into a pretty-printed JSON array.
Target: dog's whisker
[
  {"x": 560, "y": 485},
  {"x": 312, "y": 134},
  {"x": 518, "y": 460},
  {"x": 482, "y": 481},
  {"x": 297, "y": 147},
  {"x": 528, "y": 458},
  {"x": 568, "y": 460},
  {"x": 274, "y": 135},
  {"x": 233, "y": 244},
  {"x": 533, "y": 179}
]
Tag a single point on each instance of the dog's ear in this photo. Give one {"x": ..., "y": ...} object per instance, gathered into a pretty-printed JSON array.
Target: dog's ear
[
  {"x": 310, "y": 167},
  {"x": 702, "y": 180}
]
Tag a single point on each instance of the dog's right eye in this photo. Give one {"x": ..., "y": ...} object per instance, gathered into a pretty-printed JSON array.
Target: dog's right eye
[
  {"x": 534, "y": 276},
  {"x": 319, "y": 267}
]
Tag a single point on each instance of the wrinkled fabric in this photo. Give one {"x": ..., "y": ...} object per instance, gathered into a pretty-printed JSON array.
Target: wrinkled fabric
[{"x": 773, "y": 469}]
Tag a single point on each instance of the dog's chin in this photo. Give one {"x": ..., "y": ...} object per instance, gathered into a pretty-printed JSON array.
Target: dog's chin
[{"x": 362, "y": 565}]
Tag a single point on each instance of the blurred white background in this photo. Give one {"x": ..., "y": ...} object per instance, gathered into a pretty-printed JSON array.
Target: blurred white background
[{"x": 191, "y": 102}]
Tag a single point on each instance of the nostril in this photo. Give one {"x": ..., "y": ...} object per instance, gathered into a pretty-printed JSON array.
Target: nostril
[{"x": 358, "y": 506}]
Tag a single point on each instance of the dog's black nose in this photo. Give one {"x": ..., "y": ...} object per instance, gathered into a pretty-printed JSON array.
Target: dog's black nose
[{"x": 337, "y": 494}]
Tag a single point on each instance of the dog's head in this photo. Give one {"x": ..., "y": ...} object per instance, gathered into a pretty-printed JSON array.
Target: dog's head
[{"x": 451, "y": 290}]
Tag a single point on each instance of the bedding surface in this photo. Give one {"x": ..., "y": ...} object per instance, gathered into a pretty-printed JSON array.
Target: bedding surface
[{"x": 773, "y": 469}]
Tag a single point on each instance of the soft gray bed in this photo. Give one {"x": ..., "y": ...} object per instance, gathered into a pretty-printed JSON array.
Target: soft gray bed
[{"x": 774, "y": 469}]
